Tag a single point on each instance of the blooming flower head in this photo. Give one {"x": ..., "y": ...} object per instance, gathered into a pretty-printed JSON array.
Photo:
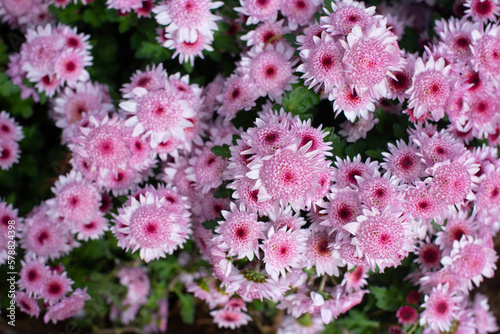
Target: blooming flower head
[
  {"x": 431, "y": 88},
  {"x": 429, "y": 255},
  {"x": 322, "y": 63},
  {"x": 471, "y": 259},
  {"x": 9, "y": 153},
  {"x": 70, "y": 66},
  {"x": 238, "y": 94},
  {"x": 407, "y": 315},
  {"x": 346, "y": 15},
  {"x": 259, "y": 10},
  {"x": 77, "y": 201},
  {"x": 379, "y": 191},
  {"x": 55, "y": 287},
  {"x": 27, "y": 304},
  {"x": 147, "y": 226},
  {"x": 161, "y": 114},
  {"x": 485, "y": 321},
  {"x": 226, "y": 318},
  {"x": 239, "y": 233},
  {"x": 152, "y": 78},
  {"x": 263, "y": 33},
  {"x": 346, "y": 170},
  {"x": 124, "y": 6},
  {"x": 370, "y": 58},
  {"x": 403, "y": 162},
  {"x": 486, "y": 50},
  {"x": 32, "y": 276},
  {"x": 342, "y": 208},
  {"x": 187, "y": 51},
  {"x": 482, "y": 10},
  {"x": 67, "y": 307},
  {"x": 440, "y": 308},
  {"x": 382, "y": 237},
  {"x": 299, "y": 12},
  {"x": 9, "y": 128},
  {"x": 283, "y": 250},
  {"x": 320, "y": 255},
  {"x": 188, "y": 17},
  {"x": 353, "y": 103},
  {"x": 270, "y": 69}
]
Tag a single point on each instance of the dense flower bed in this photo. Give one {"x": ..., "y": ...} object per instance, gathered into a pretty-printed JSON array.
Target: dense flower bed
[{"x": 297, "y": 166}]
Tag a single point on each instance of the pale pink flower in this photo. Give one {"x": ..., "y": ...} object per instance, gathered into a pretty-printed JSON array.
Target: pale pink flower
[
  {"x": 431, "y": 88},
  {"x": 345, "y": 171},
  {"x": 352, "y": 132},
  {"x": 27, "y": 304},
  {"x": 9, "y": 128},
  {"x": 92, "y": 230},
  {"x": 441, "y": 307},
  {"x": 486, "y": 50},
  {"x": 238, "y": 94},
  {"x": 470, "y": 260},
  {"x": 225, "y": 318},
  {"x": 355, "y": 279},
  {"x": 124, "y": 6},
  {"x": 67, "y": 307},
  {"x": 9, "y": 153},
  {"x": 342, "y": 208},
  {"x": 55, "y": 287},
  {"x": 70, "y": 66},
  {"x": 383, "y": 238},
  {"x": 379, "y": 191},
  {"x": 152, "y": 78},
  {"x": 283, "y": 250},
  {"x": 32, "y": 276},
  {"x": 147, "y": 226},
  {"x": 347, "y": 14},
  {"x": 259, "y": 10},
  {"x": 322, "y": 63},
  {"x": 321, "y": 256},
  {"x": 299, "y": 12},
  {"x": 263, "y": 34},
  {"x": 188, "y": 17},
  {"x": 458, "y": 224},
  {"x": 270, "y": 69},
  {"x": 239, "y": 233},
  {"x": 429, "y": 255},
  {"x": 403, "y": 162},
  {"x": 482, "y": 10},
  {"x": 483, "y": 317},
  {"x": 352, "y": 103},
  {"x": 187, "y": 51}
]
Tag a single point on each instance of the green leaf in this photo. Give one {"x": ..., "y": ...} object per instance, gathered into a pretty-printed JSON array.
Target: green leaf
[
  {"x": 187, "y": 307},
  {"x": 210, "y": 224},
  {"x": 300, "y": 100},
  {"x": 338, "y": 144},
  {"x": 221, "y": 151},
  {"x": 388, "y": 299},
  {"x": 223, "y": 192},
  {"x": 358, "y": 323}
]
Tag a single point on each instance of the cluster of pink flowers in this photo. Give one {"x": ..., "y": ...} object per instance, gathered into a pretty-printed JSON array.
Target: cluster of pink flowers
[
  {"x": 11, "y": 134},
  {"x": 288, "y": 219},
  {"x": 37, "y": 281},
  {"x": 26, "y": 13},
  {"x": 51, "y": 57}
]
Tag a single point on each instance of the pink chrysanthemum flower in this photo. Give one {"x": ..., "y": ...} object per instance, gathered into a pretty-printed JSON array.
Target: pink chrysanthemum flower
[
  {"x": 456, "y": 36},
  {"x": 70, "y": 66},
  {"x": 27, "y": 304},
  {"x": 383, "y": 238},
  {"x": 67, "y": 307},
  {"x": 92, "y": 230},
  {"x": 355, "y": 279},
  {"x": 306, "y": 41},
  {"x": 397, "y": 88},
  {"x": 346, "y": 170},
  {"x": 238, "y": 94},
  {"x": 124, "y": 6},
  {"x": 299, "y": 12},
  {"x": 206, "y": 168},
  {"x": 9, "y": 153},
  {"x": 322, "y": 64},
  {"x": 470, "y": 260},
  {"x": 270, "y": 69},
  {"x": 431, "y": 88},
  {"x": 259, "y": 10},
  {"x": 484, "y": 319},
  {"x": 9, "y": 128},
  {"x": 152, "y": 78},
  {"x": 188, "y": 17},
  {"x": 187, "y": 51},
  {"x": 482, "y": 10},
  {"x": 102, "y": 146},
  {"x": 379, "y": 191},
  {"x": 55, "y": 287},
  {"x": 452, "y": 182},
  {"x": 225, "y": 318},
  {"x": 76, "y": 200},
  {"x": 239, "y": 234},
  {"x": 41, "y": 236},
  {"x": 440, "y": 308},
  {"x": 49, "y": 84},
  {"x": 457, "y": 225},
  {"x": 482, "y": 114},
  {"x": 288, "y": 176},
  {"x": 403, "y": 162},
  {"x": 283, "y": 250},
  {"x": 347, "y": 14},
  {"x": 32, "y": 276},
  {"x": 488, "y": 194},
  {"x": 342, "y": 208},
  {"x": 285, "y": 218},
  {"x": 321, "y": 256},
  {"x": 421, "y": 203},
  {"x": 352, "y": 103},
  {"x": 71, "y": 105},
  {"x": 266, "y": 32},
  {"x": 439, "y": 147},
  {"x": 161, "y": 113},
  {"x": 265, "y": 138},
  {"x": 486, "y": 50},
  {"x": 147, "y": 226},
  {"x": 370, "y": 58},
  {"x": 304, "y": 131}
]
